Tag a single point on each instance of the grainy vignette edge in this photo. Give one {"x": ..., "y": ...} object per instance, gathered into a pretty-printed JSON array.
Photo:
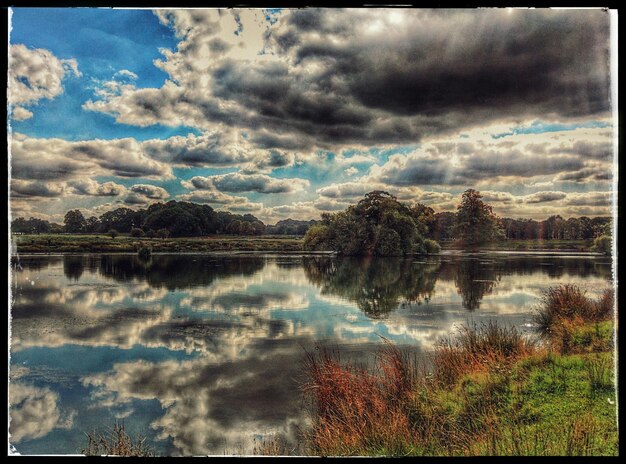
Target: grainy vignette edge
[{"x": 613, "y": 21}]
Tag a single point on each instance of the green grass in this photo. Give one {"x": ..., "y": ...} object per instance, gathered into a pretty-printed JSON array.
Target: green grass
[
  {"x": 488, "y": 391},
  {"x": 101, "y": 243},
  {"x": 530, "y": 245}
]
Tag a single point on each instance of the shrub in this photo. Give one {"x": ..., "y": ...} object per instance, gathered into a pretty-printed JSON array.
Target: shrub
[
  {"x": 151, "y": 233},
  {"x": 144, "y": 253},
  {"x": 163, "y": 233},
  {"x": 113, "y": 233},
  {"x": 137, "y": 232},
  {"x": 431, "y": 247},
  {"x": 602, "y": 244}
]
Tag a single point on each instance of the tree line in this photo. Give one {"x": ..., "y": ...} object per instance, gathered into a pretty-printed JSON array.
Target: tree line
[
  {"x": 474, "y": 222},
  {"x": 175, "y": 219}
]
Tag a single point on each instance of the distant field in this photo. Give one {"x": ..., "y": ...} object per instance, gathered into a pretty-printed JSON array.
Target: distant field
[
  {"x": 101, "y": 243},
  {"x": 531, "y": 245}
]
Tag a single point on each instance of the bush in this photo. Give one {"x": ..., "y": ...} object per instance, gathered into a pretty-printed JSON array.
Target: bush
[
  {"x": 151, "y": 233},
  {"x": 113, "y": 233},
  {"x": 431, "y": 247},
  {"x": 602, "y": 244},
  {"x": 144, "y": 253},
  {"x": 137, "y": 232},
  {"x": 163, "y": 233},
  {"x": 315, "y": 237}
]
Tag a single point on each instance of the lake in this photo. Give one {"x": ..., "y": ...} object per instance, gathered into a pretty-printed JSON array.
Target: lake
[{"x": 203, "y": 354}]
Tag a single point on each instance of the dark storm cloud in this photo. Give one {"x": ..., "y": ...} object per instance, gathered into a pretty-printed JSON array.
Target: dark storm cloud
[
  {"x": 585, "y": 149},
  {"x": 375, "y": 76},
  {"x": 437, "y": 62},
  {"x": 515, "y": 163},
  {"x": 585, "y": 174}
]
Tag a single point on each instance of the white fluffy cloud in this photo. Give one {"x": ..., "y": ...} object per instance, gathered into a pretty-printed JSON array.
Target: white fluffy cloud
[
  {"x": 34, "y": 412},
  {"x": 35, "y": 74}
]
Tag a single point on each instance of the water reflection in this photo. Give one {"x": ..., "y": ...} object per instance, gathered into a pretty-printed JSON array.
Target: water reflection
[
  {"x": 376, "y": 286},
  {"x": 204, "y": 353}
]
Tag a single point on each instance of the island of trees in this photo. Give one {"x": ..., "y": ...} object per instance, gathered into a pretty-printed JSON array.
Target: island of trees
[{"x": 378, "y": 225}]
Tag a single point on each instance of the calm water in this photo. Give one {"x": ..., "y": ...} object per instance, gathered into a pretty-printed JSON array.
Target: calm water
[{"x": 203, "y": 354}]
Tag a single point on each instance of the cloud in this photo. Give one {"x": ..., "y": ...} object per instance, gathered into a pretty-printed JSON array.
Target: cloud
[
  {"x": 34, "y": 412},
  {"x": 351, "y": 171},
  {"x": 295, "y": 87},
  {"x": 543, "y": 197},
  {"x": 125, "y": 73},
  {"x": 236, "y": 182},
  {"x": 589, "y": 199},
  {"x": 141, "y": 194},
  {"x": 58, "y": 159},
  {"x": 90, "y": 187},
  {"x": 35, "y": 74},
  {"x": 23, "y": 188},
  {"x": 221, "y": 200}
]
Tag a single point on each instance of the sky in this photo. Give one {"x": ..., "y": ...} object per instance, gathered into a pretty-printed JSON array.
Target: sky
[{"x": 296, "y": 112}]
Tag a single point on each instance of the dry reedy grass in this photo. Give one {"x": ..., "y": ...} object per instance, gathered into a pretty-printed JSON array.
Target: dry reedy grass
[
  {"x": 565, "y": 308},
  {"x": 478, "y": 348},
  {"x": 390, "y": 409},
  {"x": 116, "y": 443},
  {"x": 357, "y": 409}
]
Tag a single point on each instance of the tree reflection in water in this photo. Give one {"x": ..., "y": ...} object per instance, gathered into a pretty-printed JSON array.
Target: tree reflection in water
[
  {"x": 377, "y": 286},
  {"x": 474, "y": 279}
]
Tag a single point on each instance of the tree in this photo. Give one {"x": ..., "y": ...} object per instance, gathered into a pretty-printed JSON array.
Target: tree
[
  {"x": 377, "y": 225},
  {"x": 163, "y": 233},
  {"x": 475, "y": 221},
  {"x": 113, "y": 233},
  {"x": 137, "y": 232},
  {"x": 74, "y": 221},
  {"x": 92, "y": 224}
]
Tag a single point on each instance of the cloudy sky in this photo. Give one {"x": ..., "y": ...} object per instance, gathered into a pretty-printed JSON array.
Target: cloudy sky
[{"x": 291, "y": 113}]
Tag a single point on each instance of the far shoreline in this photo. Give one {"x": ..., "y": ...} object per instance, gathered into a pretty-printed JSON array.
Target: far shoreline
[{"x": 47, "y": 244}]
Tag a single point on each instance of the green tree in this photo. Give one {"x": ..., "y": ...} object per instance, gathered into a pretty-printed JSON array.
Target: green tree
[
  {"x": 113, "y": 233},
  {"x": 74, "y": 221},
  {"x": 377, "y": 225},
  {"x": 475, "y": 221}
]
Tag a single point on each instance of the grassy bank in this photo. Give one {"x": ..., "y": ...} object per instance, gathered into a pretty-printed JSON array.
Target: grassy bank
[
  {"x": 102, "y": 243},
  {"x": 59, "y": 243},
  {"x": 529, "y": 245},
  {"x": 487, "y": 390}
]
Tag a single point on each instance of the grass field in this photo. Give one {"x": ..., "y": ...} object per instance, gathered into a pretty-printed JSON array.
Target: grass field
[
  {"x": 530, "y": 245},
  {"x": 101, "y": 243},
  {"x": 60, "y": 243}
]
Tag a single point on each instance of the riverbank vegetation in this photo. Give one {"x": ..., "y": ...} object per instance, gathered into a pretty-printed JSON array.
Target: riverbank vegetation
[
  {"x": 473, "y": 223},
  {"x": 487, "y": 390},
  {"x": 378, "y": 225},
  {"x": 101, "y": 243}
]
